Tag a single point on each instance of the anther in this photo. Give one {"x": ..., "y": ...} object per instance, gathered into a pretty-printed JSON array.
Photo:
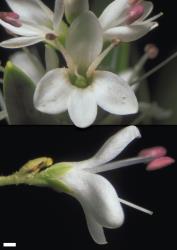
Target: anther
[
  {"x": 151, "y": 50},
  {"x": 50, "y": 36},
  {"x": 11, "y": 18},
  {"x": 160, "y": 163},
  {"x": 134, "y": 13},
  {"x": 154, "y": 152}
]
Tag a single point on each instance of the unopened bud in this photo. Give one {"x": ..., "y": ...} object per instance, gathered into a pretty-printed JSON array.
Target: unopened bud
[
  {"x": 134, "y": 13},
  {"x": 155, "y": 152},
  {"x": 160, "y": 163},
  {"x": 11, "y": 18},
  {"x": 151, "y": 50}
]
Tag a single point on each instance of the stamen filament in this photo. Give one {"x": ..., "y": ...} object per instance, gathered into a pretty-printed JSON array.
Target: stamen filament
[
  {"x": 154, "y": 18},
  {"x": 100, "y": 58},
  {"x": 130, "y": 204},
  {"x": 67, "y": 57},
  {"x": 158, "y": 67},
  {"x": 121, "y": 164}
]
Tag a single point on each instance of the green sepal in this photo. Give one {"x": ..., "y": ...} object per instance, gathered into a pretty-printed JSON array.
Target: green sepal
[{"x": 53, "y": 176}]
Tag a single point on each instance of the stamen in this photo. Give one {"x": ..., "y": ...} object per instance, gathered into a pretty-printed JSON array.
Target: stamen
[
  {"x": 154, "y": 17},
  {"x": 130, "y": 204},
  {"x": 134, "y": 13},
  {"x": 155, "y": 152},
  {"x": 50, "y": 36},
  {"x": 155, "y": 69},
  {"x": 151, "y": 50},
  {"x": 11, "y": 18},
  {"x": 100, "y": 58},
  {"x": 120, "y": 164},
  {"x": 160, "y": 163}
]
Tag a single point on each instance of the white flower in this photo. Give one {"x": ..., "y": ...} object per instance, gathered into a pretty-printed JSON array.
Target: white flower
[
  {"x": 38, "y": 22},
  {"x": 79, "y": 88},
  {"x": 97, "y": 196},
  {"x": 126, "y": 20}
]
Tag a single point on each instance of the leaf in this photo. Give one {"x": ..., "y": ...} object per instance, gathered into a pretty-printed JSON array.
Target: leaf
[{"x": 18, "y": 94}]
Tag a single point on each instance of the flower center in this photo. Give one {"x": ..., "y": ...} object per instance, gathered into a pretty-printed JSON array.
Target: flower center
[
  {"x": 11, "y": 18},
  {"x": 80, "y": 81}
]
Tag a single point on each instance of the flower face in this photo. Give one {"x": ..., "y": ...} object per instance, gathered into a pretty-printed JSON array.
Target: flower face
[
  {"x": 126, "y": 20},
  {"x": 80, "y": 88},
  {"x": 37, "y": 22}
]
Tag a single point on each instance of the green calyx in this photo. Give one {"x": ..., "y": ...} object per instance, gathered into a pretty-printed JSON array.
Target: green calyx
[
  {"x": 53, "y": 176},
  {"x": 80, "y": 81},
  {"x": 39, "y": 172}
]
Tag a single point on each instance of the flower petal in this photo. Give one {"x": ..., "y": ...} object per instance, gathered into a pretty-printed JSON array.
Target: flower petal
[
  {"x": 52, "y": 92},
  {"x": 24, "y": 30},
  {"x": 85, "y": 40},
  {"x": 97, "y": 196},
  {"x": 113, "y": 94},
  {"x": 74, "y": 8},
  {"x": 95, "y": 229},
  {"x": 29, "y": 10},
  {"x": 113, "y": 13},
  {"x": 130, "y": 32},
  {"x": 82, "y": 107},
  {"x": 51, "y": 58},
  {"x": 111, "y": 148},
  {"x": 30, "y": 64},
  {"x": 148, "y": 7},
  {"x": 21, "y": 42},
  {"x": 58, "y": 14}
]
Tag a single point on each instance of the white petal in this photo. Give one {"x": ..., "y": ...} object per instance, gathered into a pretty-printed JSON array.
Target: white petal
[
  {"x": 113, "y": 13},
  {"x": 58, "y": 14},
  {"x": 113, "y": 94},
  {"x": 51, "y": 58},
  {"x": 97, "y": 196},
  {"x": 82, "y": 107},
  {"x": 29, "y": 10},
  {"x": 52, "y": 92},
  {"x": 24, "y": 30},
  {"x": 148, "y": 7},
  {"x": 95, "y": 229},
  {"x": 74, "y": 8},
  {"x": 111, "y": 148},
  {"x": 85, "y": 40},
  {"x": 127, "y": 75},
  {"x": 30, "y": 64},
  {"x": 129, "y": 33},
  {"x": 21, "y": 42}
]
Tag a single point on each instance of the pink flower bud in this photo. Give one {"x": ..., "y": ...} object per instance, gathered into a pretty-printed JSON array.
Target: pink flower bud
[
  {"x": 160, "y": 163},
  {"x": 11, "y": 18},
  {"x": 134, "y": 13},
  {"x": 154, "y": 152}
]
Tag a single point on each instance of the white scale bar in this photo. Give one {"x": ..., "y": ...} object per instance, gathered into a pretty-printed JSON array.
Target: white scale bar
[{"x": 12, "y": 244}]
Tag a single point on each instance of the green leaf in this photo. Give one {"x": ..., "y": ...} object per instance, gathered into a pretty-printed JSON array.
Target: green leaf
[{"x": 18, "y": 94}]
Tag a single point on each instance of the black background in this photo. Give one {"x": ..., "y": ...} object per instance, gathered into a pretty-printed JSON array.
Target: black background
[{"x": 39, "y": 217}]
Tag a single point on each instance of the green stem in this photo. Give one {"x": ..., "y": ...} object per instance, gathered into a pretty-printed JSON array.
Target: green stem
[{"x": 16, "y": 179}]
